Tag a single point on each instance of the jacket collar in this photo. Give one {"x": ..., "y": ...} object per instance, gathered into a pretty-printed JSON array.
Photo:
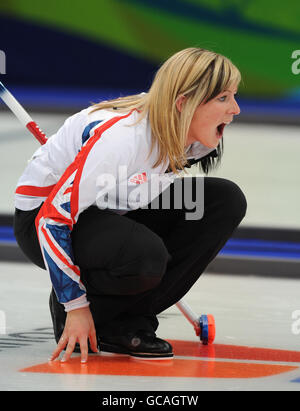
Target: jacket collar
[{"x": 198, "y": 150}]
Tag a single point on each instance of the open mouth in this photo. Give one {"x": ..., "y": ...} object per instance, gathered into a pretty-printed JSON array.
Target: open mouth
[{"x": 220, "y": 130}]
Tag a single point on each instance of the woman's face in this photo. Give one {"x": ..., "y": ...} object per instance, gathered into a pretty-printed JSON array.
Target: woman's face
[{"x": 209, "y": 119}]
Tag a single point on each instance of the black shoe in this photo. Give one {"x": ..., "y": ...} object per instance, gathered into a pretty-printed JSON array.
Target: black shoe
[
  {"x": 141, "y": 344},
  {"x": 58, "y": 315}
]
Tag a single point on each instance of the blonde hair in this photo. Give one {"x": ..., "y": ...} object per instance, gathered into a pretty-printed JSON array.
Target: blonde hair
[{"x": 199, "y": 75}]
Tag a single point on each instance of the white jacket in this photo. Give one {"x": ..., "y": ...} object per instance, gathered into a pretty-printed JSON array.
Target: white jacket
[{"x": 95, "y": 158}]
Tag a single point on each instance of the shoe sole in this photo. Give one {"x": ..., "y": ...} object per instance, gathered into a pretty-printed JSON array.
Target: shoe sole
[
  {"x": 116, "y": 349},
  {"x": 160, "y": 357}
]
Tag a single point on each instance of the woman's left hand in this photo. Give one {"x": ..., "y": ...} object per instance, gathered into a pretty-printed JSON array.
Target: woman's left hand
[{"x": 80, "y": 328}]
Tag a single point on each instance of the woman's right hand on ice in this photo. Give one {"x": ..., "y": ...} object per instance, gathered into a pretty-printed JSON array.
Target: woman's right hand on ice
[{"x": 79, "y": 328}]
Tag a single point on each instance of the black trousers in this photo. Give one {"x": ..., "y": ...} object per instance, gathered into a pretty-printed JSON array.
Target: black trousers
[{"x": 136, "y": 265}]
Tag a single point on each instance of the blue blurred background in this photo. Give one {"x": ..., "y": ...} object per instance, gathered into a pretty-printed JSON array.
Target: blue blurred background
[{"x": 61, "y": 55}]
